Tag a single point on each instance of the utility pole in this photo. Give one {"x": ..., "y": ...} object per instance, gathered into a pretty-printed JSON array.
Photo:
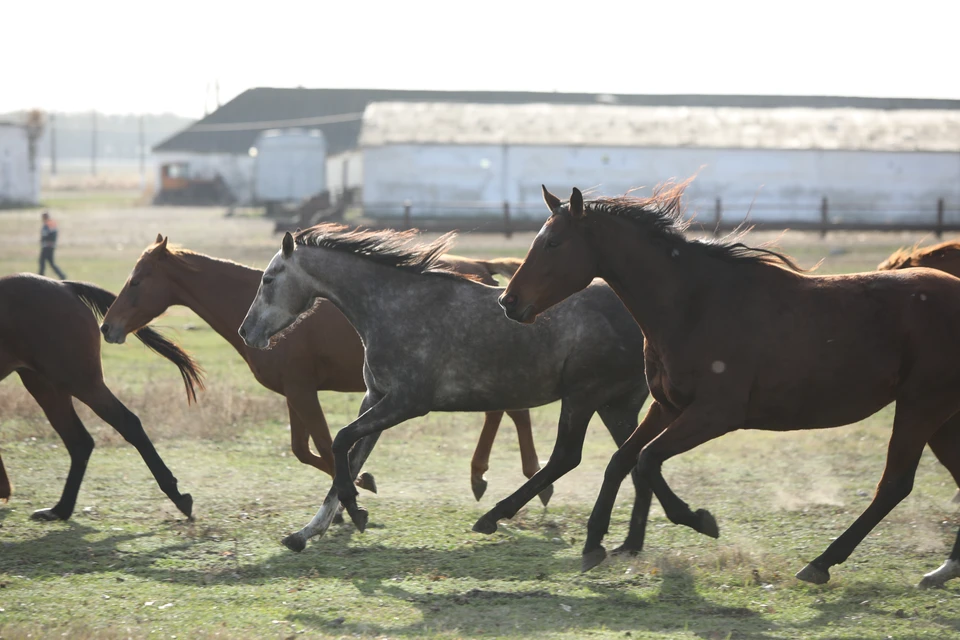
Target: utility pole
[
  {"x": 143, "y": 168},
  {"x": 93, "y": 144},
  {"x": 53, "y": 144},
  {"x": 216, "y": 88}
]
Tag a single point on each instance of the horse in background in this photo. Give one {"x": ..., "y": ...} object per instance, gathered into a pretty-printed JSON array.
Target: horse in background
[{"x": 49, "y": 337}]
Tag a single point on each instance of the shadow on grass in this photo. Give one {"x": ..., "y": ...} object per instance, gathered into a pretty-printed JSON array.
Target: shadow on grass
[{"x": 675, "y": 607}]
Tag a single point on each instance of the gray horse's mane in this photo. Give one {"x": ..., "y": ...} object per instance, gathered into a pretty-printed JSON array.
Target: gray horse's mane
[{"x": 397, "y": 249}]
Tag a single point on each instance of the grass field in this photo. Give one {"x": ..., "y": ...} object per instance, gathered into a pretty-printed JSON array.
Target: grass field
[{"x": 129, "y": 565}]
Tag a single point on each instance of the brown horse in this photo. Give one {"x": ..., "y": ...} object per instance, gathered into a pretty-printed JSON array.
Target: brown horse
[
  {"x": 50, "y": 338},
  {"x": 944, "y": 257},
  {"x": 324, "y": 353},
  {"x": 739, "y": 338}
]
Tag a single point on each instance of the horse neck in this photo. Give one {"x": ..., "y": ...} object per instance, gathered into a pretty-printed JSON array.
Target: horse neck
[
  {"x": 219, "y": 292},
  {"x": 653, "y": 282},
  {"x": 370, "y": 295}
]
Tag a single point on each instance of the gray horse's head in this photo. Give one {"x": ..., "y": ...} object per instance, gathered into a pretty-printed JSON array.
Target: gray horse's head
[{"x": 285, "y": 293}]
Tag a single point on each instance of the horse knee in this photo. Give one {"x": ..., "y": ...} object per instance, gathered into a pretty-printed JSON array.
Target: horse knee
[{"x": 896, "y": 489}]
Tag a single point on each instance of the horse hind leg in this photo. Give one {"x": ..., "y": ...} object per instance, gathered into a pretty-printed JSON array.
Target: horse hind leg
[
  {"x": 528, "y": 451},
  {"x": 99, "y": 398},
  {"x": 481, "y": 455},
  {"x": 57, "y": 406},
  {"x": 945, "y": 444},
  {"x": 912, "y": 428},
  {"x": 621, "y": 417},
  {"x": 574, "y": 418}
]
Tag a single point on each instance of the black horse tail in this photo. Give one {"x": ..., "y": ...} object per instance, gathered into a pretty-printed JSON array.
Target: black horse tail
[{"x": 99, "y": 301}]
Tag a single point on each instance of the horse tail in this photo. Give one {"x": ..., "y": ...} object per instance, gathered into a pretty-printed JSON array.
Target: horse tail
[
  {"x": 99, "y": 301},
  {"x": 505, "y": 267}
]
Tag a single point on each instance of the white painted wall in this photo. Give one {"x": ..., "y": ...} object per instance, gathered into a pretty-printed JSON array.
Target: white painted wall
[
  {"x": 353, "y": 160},
  {"x": 784, "y": 184},
  {"x": 237, "y": 170},
  {"x": 18, "y": 184}
]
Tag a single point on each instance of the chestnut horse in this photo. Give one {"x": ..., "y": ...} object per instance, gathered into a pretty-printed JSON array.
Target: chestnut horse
[
  {"x": 324, "y": 354},
  {"x": 50, "y": 338},
  {"x": 739, "y": 338}
]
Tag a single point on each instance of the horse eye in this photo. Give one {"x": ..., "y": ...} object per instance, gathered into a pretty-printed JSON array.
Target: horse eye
[
  {"x": 267, "y": 279},
  {"x": 552, "y": 244},
  {"x": 134, "y": 283}
]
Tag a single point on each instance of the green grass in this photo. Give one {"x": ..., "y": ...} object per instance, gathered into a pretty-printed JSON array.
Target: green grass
[{"x": 128, "y": 565}]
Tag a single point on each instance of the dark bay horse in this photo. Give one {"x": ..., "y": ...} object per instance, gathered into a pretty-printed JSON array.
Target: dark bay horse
[
  {"x": 739, "y": 338},
  {"x": 323, "y": 354},
  {"x": 49, "y": 336},
  {"x": 436, "y": 341}
]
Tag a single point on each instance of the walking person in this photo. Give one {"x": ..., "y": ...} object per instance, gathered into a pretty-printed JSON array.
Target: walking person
[{"x": 48, "y": 242}]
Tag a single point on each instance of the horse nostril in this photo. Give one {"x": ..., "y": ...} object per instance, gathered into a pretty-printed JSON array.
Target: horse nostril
[
  {"x": 104, "y": 329},
  {"x": 508, "y": 301},
  {"x": 242, "y": 332}
]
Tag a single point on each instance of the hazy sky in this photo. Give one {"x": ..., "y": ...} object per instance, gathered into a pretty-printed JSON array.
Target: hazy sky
[{"x": 120, "y": 57}]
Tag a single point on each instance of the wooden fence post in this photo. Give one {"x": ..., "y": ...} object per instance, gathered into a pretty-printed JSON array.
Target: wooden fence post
[
  {"x": 939, "y": 229},
  {"x": 717, "y": 217},
  {"x": 824, "y": 217},
  {"x": 507, "y": 227},
  {"x": 406, "y": 214}
]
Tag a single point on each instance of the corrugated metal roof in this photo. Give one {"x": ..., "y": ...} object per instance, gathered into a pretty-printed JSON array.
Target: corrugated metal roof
[
  {"x": 712, "y": 127},
  {"x": 233, "y": 128}
]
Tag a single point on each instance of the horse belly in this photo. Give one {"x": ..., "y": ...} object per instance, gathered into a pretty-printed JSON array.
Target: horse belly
[{"x": 455, "y": 393}]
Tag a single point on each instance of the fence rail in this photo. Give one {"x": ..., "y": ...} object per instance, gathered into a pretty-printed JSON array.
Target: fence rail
[{"x": 507, "y": 218}]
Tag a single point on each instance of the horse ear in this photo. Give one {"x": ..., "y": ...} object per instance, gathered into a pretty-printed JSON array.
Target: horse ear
[
  {"x": 552, "y": 201},
  {"x": 161, "y": 244},
  {"x": 159, "y": 238},
  {"x": 287, "y": 245},
  {"x": 576, "y": 203},
  {"x": 298, "y": 230}
]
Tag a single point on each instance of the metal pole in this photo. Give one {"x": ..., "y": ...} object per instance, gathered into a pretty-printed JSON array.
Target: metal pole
[
  {"x": 406, "y": 214},
  {"x": 143, "y": 159},
  {"x": 824, "y": 217},
  {"x": 718, "y": 217},
  {"x": 507, "y": 228},
  {"x": 93, "y": 144},
  {"x": 53, "y": 144},
  {"x": 939, "y": 229}
]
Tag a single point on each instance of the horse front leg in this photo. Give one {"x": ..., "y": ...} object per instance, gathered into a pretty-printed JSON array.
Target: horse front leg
[
  {"x": 389, "y": 411},
  {"x": 574, "y": 419}
]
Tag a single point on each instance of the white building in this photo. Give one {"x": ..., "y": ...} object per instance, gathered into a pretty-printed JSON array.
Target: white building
[
  {"x": 19, "y": 178},
  {"x": 777, "y": 163}
]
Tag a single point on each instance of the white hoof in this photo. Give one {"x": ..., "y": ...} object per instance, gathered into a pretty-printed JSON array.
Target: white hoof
[{"x": 947, "y": 571}]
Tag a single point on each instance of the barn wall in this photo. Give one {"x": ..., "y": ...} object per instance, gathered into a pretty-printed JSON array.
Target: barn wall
[
  {"x": 781, "y": 184},
  {"x": 18, "y": 184},
  {"x": 236, "y": 170},
  {"x": 335, "y": 164}
]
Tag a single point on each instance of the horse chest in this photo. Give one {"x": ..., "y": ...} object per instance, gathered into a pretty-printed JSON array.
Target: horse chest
[{"x": 667, "y": 386}]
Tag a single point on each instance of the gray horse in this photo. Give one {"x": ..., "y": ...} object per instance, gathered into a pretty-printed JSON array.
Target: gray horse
[{"x": 438, "y": 341}]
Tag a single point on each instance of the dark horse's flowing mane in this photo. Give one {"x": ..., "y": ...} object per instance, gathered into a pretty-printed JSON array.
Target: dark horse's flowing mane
[
  {"x": 661, "y": 215},
  {"x": 397, "y": 249}
]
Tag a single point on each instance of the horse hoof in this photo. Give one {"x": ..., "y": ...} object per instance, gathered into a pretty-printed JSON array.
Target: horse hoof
[
  {"x": 479, "y": 486},
  {"x": 627, "y": 548},
  {"x": 294, "y": 542},
  {"x": 338, "y": 518},
  {"x": 546, "y": 494},
  {"x": 930, "y": 582},
  {"x": 45, "y": 515},
  {"x": 185, "y": 504},
  {"x": 359, "y": 516},
  {"x": 592, "y": 558},
  {"x": 707, "y": 524},
  {"x": 367, "y": 481},
  {"x": 936, "y": 579},
  {"x": 485, "y": 525},
  {"x": 813, "y": 574}
]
